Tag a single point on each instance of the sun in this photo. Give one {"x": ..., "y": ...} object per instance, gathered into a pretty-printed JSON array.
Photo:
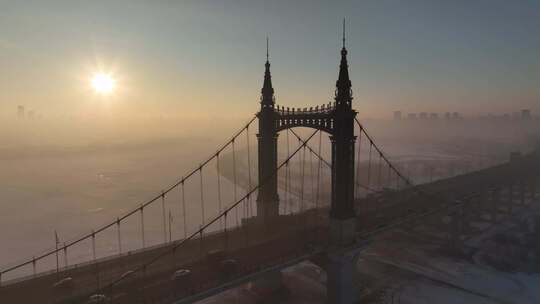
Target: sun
[{"x": 103, "y": 83}]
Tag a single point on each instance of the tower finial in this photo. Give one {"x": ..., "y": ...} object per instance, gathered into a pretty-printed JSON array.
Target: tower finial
[
  {"x": 343, "y": 32},
  {"x": 266, "y": 48},
  {"x": 267, "y": 91}
]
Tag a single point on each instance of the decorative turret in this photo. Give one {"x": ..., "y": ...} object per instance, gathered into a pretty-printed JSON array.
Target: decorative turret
[
  {"x": 267, "y": 197},
  {"x": 343, "y": 84},
  {"x": 267, "y": 91}
]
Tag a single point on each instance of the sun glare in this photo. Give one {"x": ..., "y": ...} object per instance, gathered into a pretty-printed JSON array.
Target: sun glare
[{"x": 103, "y": 83}]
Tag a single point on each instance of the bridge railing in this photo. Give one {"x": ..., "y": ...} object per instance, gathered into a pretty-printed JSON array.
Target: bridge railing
[{"x": 322, "y": 109}]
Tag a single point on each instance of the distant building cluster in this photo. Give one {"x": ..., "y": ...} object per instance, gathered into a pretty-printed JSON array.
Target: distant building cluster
[
  {"x": 523, "y": 115},
  {"x": 22, "y": 113},
  {"x": 398, "y": 115}
]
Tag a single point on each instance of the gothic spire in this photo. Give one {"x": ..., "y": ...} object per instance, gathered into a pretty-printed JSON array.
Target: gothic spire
[
  {"x": 267, "y": 92},
  {"x": 343, "y": 84}
]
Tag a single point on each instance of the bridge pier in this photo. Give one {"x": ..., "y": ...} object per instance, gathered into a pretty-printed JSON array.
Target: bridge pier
[
  {"x": 532, "y": 189},
  {"x": 522, "y": 193},
  {"x": 339, "y": 285},
  {"x": 511, "y": 197},
  {"x": 268, "y": 288},
  {"x": 456, "y": 231},
  {"x": 495, "y": 199}
]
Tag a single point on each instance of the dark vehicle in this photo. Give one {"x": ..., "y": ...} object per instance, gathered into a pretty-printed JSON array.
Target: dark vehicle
[
  {"x": 229, "y": 267},
  {"x": 63, "y": 284},
  {"x": 181, "y": 274}
]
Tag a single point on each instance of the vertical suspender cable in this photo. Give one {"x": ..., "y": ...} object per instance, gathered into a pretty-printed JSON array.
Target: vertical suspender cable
[
  {"x": 118, "y": 234},
  {"x": 226, "y": 232},
  {"x": 287, "y": 176},
  {"x": 311, "y": 177},
  {"x": 142, "y": 226},
  {"x": 357, "y": 180},
  {"x": 219, "y": 189},
  {"x": 301, "y": 166},
  {"x": 202, "y": 195},
  {"x": 397, "y": 179},
  {"x": 65, "y": 255},
  {"x": 184, "y": 207},
  {"x": 249, "y": 171},
  {"x": 234, "y": 181},
  {"x": 93, "y": 245},
  {"x": 318, "y": 173},
  {"x": 170, "y": 228},
  {"x": 379, "y": 178},
  {"x": 303, "y": 173},
  {"x": 164, "y": 217},
  {"x": 369, "y": 164},
  {"x": 388, "y": 176}
]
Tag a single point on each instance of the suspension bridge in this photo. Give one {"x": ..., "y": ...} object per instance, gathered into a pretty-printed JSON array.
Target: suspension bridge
[{"x": 319, "y": 198}]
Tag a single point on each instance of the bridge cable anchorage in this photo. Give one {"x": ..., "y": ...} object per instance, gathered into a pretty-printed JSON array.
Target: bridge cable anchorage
[
  {"x": 162, "y": 254},
  {"x": 130, "y": 213}
]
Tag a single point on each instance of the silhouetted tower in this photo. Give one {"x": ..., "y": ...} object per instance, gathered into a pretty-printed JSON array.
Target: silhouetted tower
[
  {"x": 268, "y": 199},
  {"x": 20, "y": 111},
  {"x": 343, "y": 140}
]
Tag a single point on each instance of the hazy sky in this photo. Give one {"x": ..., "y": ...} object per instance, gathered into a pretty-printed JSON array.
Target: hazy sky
[{"x": 196, "y": 57}]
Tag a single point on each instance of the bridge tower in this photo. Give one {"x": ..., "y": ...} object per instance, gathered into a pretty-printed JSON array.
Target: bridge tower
[
  {"x": 337, "y": 119},
  {"x": 343, "y": 139},
  {"x": 267, "y": 199},
  {"x": 341, "y": 262}
]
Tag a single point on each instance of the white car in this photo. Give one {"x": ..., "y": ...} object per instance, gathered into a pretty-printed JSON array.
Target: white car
[
  {"x": 64, "y": 283},
  {"x": 179, "y": 274},
  {"x": 127, "y": 274},
  {"x": 97, "y": 298}
]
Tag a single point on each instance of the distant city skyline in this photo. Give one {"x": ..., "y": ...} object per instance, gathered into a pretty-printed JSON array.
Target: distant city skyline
[{"x": 196, "y": 57}]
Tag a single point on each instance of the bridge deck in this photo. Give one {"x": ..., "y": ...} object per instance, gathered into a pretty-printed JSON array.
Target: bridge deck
[{"x": 253, "y": 246}]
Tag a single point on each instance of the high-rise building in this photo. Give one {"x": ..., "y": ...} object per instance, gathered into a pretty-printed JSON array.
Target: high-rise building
[
  {"x": 423, "y": 115},
  {"x": 20, "y": 111},
  {"x": 447, "y": 115},
  {"x": 411, "y": 116},
  {"x": 526, "y": 114},
  {"x": 397, "y": 115},
  {"x": 433, "y": 116}
]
